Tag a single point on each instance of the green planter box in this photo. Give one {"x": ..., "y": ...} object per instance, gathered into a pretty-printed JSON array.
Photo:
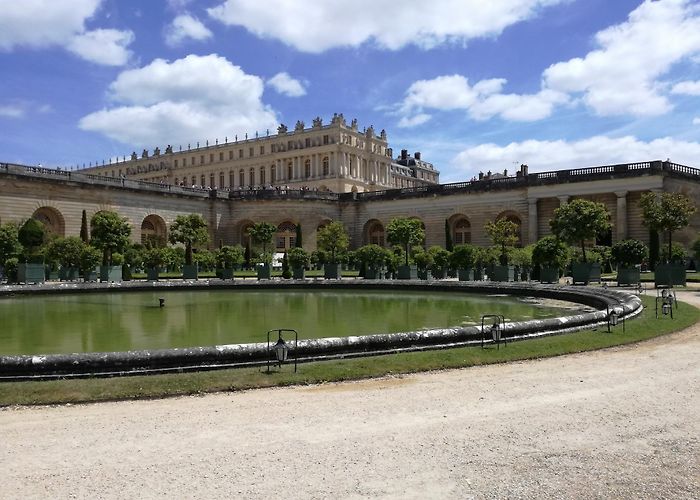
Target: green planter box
[
  {"x": 422, "y": 274},
  {"x": 264, "y": 272},
  {"x": 549, "y": 275},
  {"x": 438, "y": 275},
  {"x": 111, "y": 274},
  {"x": 51, "y": 274},
  {"x": 585, "y": 272},
  {"x": 503, "y": 273},
  {"x": 373, "y": 274},
  {"x": 669, "y": 275},
  {"x": 31, "y": 273},
  {"x": 299, "y": 273},
  {"x": 408, "y": 272},
  {"x": 91, "y": 275},
  {"x": 331, "y": 271},
  {"x": 152, "y": 273},
  {"x": 225, "y": 273},
  {"x": 68, "y": 273},
  {"x": 628, "y": 276},
  {"x": 524, "y": 274},
  {"x": 478, "y": 274},
  {"x": 465, "y": 274},
  {"x": 190, "y": 272}
]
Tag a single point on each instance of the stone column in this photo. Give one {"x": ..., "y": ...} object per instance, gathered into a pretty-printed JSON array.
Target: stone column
[
  {"x": 563, "y": 200},
  {"x": 621, "y": 215},
  {"x": 532, "y": 220}
]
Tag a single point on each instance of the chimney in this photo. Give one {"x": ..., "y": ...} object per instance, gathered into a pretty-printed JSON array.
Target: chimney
[
  {"x": 523, "y": 169},
  {"x": 505, "y": 172},
  {"x": 416, "y": 155},
  {"x": 404, "y": 154}
]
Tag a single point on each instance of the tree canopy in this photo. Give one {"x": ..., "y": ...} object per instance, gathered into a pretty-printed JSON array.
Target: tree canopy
[
  {"x": 9, "y": 242},
  {"x": 668, "y": 212},
  {"x": 110, "y": 233},
  {"x": 333, "y": 239},
  {"x": 261, "y": 233},
  {"x": 406, "y": 232},
  {"x": 578, "y": 221},
  {"x": 503, "y": 232},
  {"x": 189, "y": 230}
]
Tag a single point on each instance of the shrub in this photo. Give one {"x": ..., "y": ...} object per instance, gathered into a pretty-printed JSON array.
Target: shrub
[
  {"x": 440, "y": 257},
  {"x": 298, "y": 257},
  {"x": 629, "y": 253},
  {"x": 550, "y": 252},
  {"x": 463, "y": 256},
  {"x": 228, "y": 257}
]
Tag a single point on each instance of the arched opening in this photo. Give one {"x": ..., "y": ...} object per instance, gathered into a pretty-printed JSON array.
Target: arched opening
[
  {"x": 52, "y": 220},
  {"x": 153, "y": 231},
  {"x": 285, "y": 237},
  {"x": 461, "y": 229},
  {"x": 374, "y": 233},
  {"x": 243, "y": 236}
]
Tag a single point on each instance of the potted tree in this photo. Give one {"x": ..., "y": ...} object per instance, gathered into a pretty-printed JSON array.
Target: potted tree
[
  {"x": 133, "y": 261},
  {"x": 189, "y": 230},
  {"x": 669, "y": 212},
  {"x": 423, "y": 261},
  {"x": 406, "y": 232},
  {"x": 333, "y": 240},
  {"x": 551, "y": 255},
  {"x": 576, "y": 222},
  {"x": 227, "y": 259},
  {"x": 441, "y": 262},
  {"x": 261, "y": 233},
  {"x": 299, "y": 259},
  {"x": 373, "y": 258},
  {"x": 66, "y": 251},
  {"x": 205, "y": 260},
  {"x": 109, "y": 233},
  {"x": 522, "y": 260},
  {"x": 504, "y": 234},
  {"x": 463, "y": 259},
  {"x": 628, "y": 255},
  {"x": 90, "y": 258},
  {"x": 153, "y": 260},
  {"x": 32, "y": 236}
]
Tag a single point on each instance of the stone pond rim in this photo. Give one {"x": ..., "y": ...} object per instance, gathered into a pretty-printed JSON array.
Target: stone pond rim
[{"x": 36, "y": 367}]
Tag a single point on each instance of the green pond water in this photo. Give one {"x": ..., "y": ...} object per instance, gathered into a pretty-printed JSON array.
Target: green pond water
[{"x": 129, "y": 321}]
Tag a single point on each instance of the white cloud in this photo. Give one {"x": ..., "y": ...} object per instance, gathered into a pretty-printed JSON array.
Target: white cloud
[
  {"x": 107, "y": 47},
  {"x": 47, "y": 23},
  {"x": 562, "y": 154},
  {"x": 11, "y": 111},
  {"x": 286, "y": 85},
  {"x": 389, "y": 25},
  {"x": 482, "y": 101},
  {"x": 687, "y": 88},
  {"x": 190, "y": 99},
  {"x": 621, "y": 76},
  {"x": 696, "y": 120},
  {"x": 183, "y": 27}
]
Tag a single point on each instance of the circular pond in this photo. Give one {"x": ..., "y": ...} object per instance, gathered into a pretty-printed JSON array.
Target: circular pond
[{"x": 100, "y": 322}]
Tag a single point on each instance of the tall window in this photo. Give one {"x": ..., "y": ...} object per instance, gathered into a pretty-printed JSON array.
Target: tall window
[
  {"x": 204, "y": 181},
  {"x": 252, "y": 176},
  {"x": 194, "y": 181},
  {"x": 231, "y": 179},
  {"x": 376, "y": 234},
  {"x": 262, "y": 176},
  {"x": 307, "y": 169},
  {"x": 285, "y": 238},
  {"x": 273, "y": 174},
  {"x": 221, "y": 179},
  {"x": 290, "y": 170},
  {"x": 241, "y": 178},
  {"x": 462, "y": 232},
  {"x": 326, "y": 167},
  {"x": 212, "y": 183}
]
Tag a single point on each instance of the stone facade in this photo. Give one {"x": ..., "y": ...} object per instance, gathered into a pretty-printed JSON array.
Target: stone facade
[
  {"x": 337, "y": 157},
  {"x": 58, "y": 198}
]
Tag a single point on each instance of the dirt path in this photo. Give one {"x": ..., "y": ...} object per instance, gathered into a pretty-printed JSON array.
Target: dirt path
[{"x": 624, "y": 422}]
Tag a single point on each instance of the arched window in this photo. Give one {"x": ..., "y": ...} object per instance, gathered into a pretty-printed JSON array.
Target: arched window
[
  {"x": 231, "y": 178},
  {"x": 212, "y": 182},
  {"x": 307, "y": 169},
  {"x": 462, "y": 232},
  {"x": 177, "y": 181},
  {"x": 251, "y": 176},
  {"x": 285, "y": 238},
  {"x": 375, "y": 234},
  {"x": 153, "y": 231},
  {"x": 52, "y": 220},
  {"x": 194, "y": 181},
  {"x": 204, "y": 181},
  {"x": 516, "y": 219},
  {"x": 326, "y": 167},
  {"x": 222, "y": 179}
]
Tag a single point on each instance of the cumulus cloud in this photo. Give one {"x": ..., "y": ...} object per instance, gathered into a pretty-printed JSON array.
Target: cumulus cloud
[
  {"x": 696, "y": 120},
  {"x": 48, "y": 23},
  {"x": 286, "y": 85},
  {"x": 481, "y": 101},
  {"x": 185, "y": 27},
  {"x": 562, "y": 154},
  {"x": 622, "y": 75},
  {"x": 337, "y": 24},
  {"x": 107, "y": 47},
  {"x": 687, "y": 88},
  {"x": 193, "y": 98},
  {"x": 11, "y": 111}
]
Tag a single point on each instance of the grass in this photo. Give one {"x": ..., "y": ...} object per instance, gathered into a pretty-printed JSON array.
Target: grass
[
  {"x": 644, "y": 327},
  {"x": 648, "y": 277}
]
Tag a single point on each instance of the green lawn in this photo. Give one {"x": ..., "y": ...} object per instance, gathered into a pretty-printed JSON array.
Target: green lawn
[{"x": 642, "y": 328}]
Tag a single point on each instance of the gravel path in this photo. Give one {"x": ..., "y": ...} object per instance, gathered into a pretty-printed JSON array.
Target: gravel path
[{"x": 619, "y": 423}]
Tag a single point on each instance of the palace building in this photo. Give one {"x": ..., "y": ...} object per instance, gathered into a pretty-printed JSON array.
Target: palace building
[{"x": 332, "y": 158}]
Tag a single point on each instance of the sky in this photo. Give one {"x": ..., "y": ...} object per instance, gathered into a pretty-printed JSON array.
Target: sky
[{"x": 475, "y": 86}]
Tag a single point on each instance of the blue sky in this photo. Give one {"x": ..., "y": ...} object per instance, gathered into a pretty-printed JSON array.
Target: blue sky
[{"x": 473, "y": 85}]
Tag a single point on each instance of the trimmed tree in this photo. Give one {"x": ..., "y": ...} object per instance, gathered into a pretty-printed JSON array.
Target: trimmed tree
[
  {"x": 504, "y": 233},
  {"x": 10, "y": 247},
  {"x": 261, "y": 233},
  {"x": 84, "y": 231},
  {"x": 297, "y": 240},
  {"x": 405, "y": 232},
  {"x": 31, "y": 235},
  {"x": 333, "y": 239},
  {"x": 668, "y": 212},
  {"x": 578, "y": 221},
  {"x": 449, "y": 245},
  {"x": 110, "y": 233},
  {"x": 189, "y": 230}
]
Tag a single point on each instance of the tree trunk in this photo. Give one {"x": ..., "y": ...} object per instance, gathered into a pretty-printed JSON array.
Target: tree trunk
[
  {"x": 583, "y": 249},
  {"x": 188, "y": 254}
]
